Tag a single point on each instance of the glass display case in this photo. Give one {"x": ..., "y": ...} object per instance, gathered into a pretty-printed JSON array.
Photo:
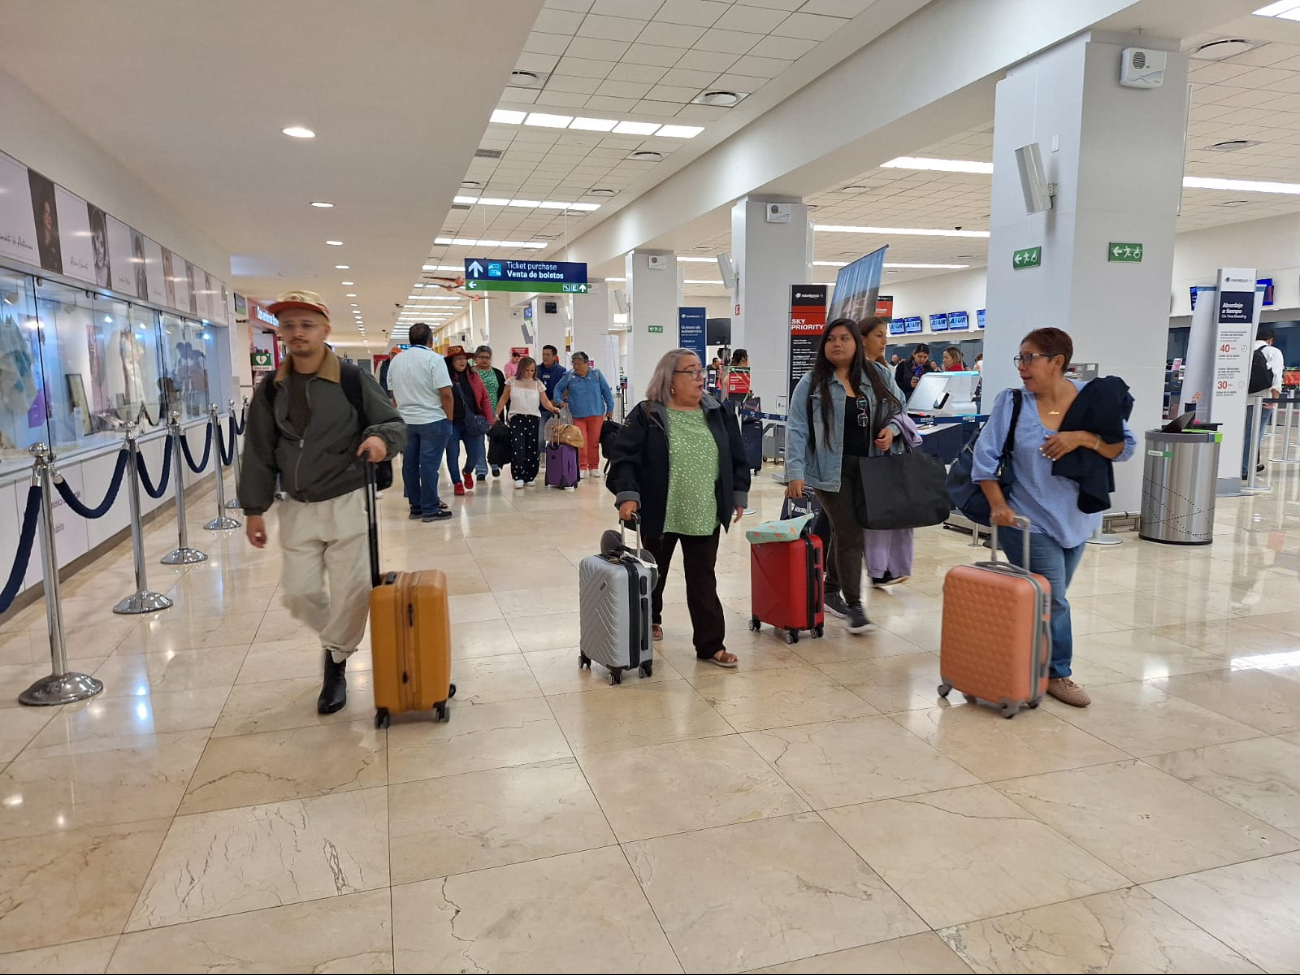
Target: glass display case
[
  {"x": 22, "y": 388},
  {"x": 187, "y": 351}
]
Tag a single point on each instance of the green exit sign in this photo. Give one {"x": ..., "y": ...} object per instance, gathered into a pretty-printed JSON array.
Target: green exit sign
[
  {"x": 656, "y": 329},
  {"x": 1119, "y": 252},
  {"x": 1027, "y": 257}
]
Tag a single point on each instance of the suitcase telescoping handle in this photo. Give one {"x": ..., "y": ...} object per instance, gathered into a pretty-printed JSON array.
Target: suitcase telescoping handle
[
  {"x": 1023, "y": 524},
  {"x": 372, "y": 519}
]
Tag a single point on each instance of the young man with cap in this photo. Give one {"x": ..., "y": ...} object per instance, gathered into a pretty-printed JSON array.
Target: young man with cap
[
  {"x": 422, "y": 390},
  {"x": 309, "y": 425}
]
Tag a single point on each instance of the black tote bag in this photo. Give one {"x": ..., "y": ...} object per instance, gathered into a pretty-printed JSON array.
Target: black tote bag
[{"x": 907, "y": 490}]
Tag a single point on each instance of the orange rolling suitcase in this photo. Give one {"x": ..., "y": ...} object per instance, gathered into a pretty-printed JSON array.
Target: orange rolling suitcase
[
  {"x": 996, "y": 642},
  {"x": 410, "y": 634}
]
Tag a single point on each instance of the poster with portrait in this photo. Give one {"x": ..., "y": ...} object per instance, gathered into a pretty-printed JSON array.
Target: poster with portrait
[
  {"x": 17, "y": 222},
  {"x": 119, "y": 255},
  {"x": 192, "y": 277},
  {"x": 170, "y": 282},
  {"x": 74, "y": 235},
  {"x": 98, "y": 221},
  {"x": 210, "y": 292},
  {"x": 138, "y": 266},
  {"x": 153, "y": 270},
  {"x": 223, "y": 313},
  {"x": 45, "y": 212}
]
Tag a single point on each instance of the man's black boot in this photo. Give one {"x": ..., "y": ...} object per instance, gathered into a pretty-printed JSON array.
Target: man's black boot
[{"x": 334, "y": 688}]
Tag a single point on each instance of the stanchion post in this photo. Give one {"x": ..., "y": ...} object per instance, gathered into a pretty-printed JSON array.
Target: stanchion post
[
  {"x": 1252, "y": 451},
  {"x": 234, "y": 502},
  {"x": 182, "y": 554},
  {"x": 222, "y": 522},
  {"x": 1286, "y": 433},
  {"x": 62, "y": 686},
  {"x": 142, "y": 600}
]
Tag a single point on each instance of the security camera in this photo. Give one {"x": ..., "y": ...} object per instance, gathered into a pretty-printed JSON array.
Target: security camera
[{"x": 956, "y": 228}]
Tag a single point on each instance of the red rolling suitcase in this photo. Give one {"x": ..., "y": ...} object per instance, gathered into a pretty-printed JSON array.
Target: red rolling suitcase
[
  {"x": 786, "y": 586},
  {"x": 996, "y": 643}
]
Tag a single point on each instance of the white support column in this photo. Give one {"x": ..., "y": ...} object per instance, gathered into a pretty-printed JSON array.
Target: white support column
[
  {"x": 653, "y": 294},
  {"x": 551, "y": 326},
  {"x": 591, "y": 323},
  {"x": 1116, "y": 157},
  {"x": 771, "y": 251}
]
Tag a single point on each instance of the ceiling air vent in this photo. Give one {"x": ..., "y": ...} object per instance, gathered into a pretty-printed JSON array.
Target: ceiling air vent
[
  {"x": 1232, "y": 145},
  {"x": 460, "y": 206},
  {"x": 488, "y": 153}
]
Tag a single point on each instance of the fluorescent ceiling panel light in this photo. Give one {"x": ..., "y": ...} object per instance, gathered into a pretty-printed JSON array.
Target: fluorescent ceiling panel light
[
  {"x": 334, "y": 243},
  {"x": 493, "y": 201},
  {"x": 526, "y": 204},
  {"x": 442, "y": 240},
  {"x": 593, "y": 124},
  {"x": 939, "y": 165},
  {"x": 1286, "y": 9},
  {"x": 689, "y": 281},
  {"x": 680, "y": 131},
  {"x": 929, "y": 267},
  {"x": 697, "y": 260},
  {"x": 616, "y": 279},
  {"x": 554, "y": 205},
  {"x": 899, "y": 231},
  {"x": 322, "y": 204},
  {"x": 1240, "y": 185},
  {"x": 508, "y": 117},
  {"x": 463, "y": 241},
  {"x": 636, "y": 128},
  {"x": 298, "y": 132},
  {"x": 464, "y": 199},
  {"x": 546, "y": 121},
  {"x": 585, "y": 207},
  {"x": 343, "y": 267},
  {"x": 819, "y": 263},
  {"x": 442, "y": 267}
]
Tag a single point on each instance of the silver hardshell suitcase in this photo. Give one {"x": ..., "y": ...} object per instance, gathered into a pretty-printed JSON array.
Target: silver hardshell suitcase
[{"x": 614, "y": 591}]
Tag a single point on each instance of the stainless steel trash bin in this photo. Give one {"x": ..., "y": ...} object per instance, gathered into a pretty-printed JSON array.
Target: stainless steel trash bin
[{"x": 1178, "y": 487}]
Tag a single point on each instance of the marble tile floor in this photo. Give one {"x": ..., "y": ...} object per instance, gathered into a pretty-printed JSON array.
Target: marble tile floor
[{"x": 821, "y": 809}]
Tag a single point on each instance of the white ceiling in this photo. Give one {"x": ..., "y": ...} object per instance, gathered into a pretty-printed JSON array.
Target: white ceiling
[{"x": 191, "y": 97}]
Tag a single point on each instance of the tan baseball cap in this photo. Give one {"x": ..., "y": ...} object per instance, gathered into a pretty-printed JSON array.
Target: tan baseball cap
[{"x": 307, "y": 300}]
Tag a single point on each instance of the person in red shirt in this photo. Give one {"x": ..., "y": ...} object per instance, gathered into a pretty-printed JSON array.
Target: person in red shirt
[{"x": 952, "y": 360}]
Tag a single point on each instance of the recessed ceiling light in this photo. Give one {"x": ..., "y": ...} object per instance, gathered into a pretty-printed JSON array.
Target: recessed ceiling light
[
  {"x": 720, "y": 98},
  {"x": 855, "y": 188},
  {"x": 938, "y": 165},
  {"x": 899, "y": 231},
  {"x": 548, "y": 121},
  {"x": 351, "y": 294},
  {"x": 1232, "y": 145},
  {"x": 347, "y": 283},
  {"x": 1239, "y": 185},
  {"x": 342, "y": 267},
  {"x": 508, "y": 117},
  {"x": 322, "y": 204},
  {"x": 298, "y": 132},
  {"x": 636, "y": 128},
  {"x": 470, "y": 182},
  {"x": 593, "y": 124},
  {"x": 354, "y": 305},
  {"x": 1224, "y": 48},
  {"x": 334, "y": 243},
  {"x": 1235, "y": 203},
  {"x": 526, "y": 79},
  {"x": 680, "y": 131},
  {"x": 601, "y": 191},
  {"x": 646, "y": 155}
]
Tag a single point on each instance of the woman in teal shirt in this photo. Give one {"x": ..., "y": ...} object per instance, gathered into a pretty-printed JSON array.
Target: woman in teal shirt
[{"x": 679, "y": 464}]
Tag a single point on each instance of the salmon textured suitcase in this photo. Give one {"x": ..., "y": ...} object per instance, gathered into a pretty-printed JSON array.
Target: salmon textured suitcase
[
  {"x": 410, "y": 635},
  {"x": 996, "y": 642},
  {"x": 786, "y": 586}
]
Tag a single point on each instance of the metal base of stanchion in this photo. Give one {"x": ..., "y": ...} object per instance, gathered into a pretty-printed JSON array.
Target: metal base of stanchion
[
  {"x": 233, "y": 503},
  {"x": 183, "y": 556},
  {"x": 60, "y": 689},
  {"x": 1101, "y": 538},
  {"x": 223, "y": 524},
  {"x": 139, "y": 603}
]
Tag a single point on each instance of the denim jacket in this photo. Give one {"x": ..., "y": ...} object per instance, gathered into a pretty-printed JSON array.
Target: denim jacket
[{"x": 820, "y": 466}]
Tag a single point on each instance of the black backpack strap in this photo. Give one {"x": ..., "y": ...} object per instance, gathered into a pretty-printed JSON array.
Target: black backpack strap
[
  {"x": 1009, "y": 445},
  {"x": 350, "y": 380},
  {"x": 268, "y": 389}
]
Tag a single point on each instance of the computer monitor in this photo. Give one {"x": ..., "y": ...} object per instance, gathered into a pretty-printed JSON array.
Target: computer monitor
[{"x": 945, "y": 394}]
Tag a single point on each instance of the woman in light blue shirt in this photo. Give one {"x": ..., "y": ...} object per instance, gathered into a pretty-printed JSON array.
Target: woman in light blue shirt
[{"x": 1059, "y": 529}]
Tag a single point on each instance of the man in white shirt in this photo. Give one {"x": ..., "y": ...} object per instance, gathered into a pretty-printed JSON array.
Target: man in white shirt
[
  {"x": 422, "y": 390},
  {"x": 1264, "y": 339}
]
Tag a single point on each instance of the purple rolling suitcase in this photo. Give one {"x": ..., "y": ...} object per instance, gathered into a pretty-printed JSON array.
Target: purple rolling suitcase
[{"x": 561, "y": 465}]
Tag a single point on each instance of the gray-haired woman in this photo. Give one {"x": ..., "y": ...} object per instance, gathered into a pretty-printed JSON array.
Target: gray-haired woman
[{"x": 679, "y": 464}]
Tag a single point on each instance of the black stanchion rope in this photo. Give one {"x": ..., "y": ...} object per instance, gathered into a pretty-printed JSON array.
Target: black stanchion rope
[
  {"x": 161, "y": 489},
  {"x": 201, "y": 466},
  {"x": 227, "y": 456},
  {"x": 73, "y": 502},
  {"x": 24, "y": 555},
  {"x": 243, "y": 422}
]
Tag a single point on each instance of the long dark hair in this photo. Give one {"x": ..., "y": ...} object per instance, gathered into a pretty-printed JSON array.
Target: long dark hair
[{"x": 823, "y": 374}]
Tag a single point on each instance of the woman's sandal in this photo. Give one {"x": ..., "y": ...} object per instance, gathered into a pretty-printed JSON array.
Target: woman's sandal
[
  {"x": 724, "y": 659},
  {"x": 657, "y": 632}
]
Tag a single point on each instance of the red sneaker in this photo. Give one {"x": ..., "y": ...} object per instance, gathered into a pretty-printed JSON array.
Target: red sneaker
[
  {"x": 469, "y": 480},
  {"x": 459, "y": 491}
]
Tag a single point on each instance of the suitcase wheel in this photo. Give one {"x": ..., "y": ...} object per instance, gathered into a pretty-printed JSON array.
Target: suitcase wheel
[
  {"x": 791, "y": 636},
  {"x": 584, "y": 661},
  {"x": 970, "y": 698},
  {"x": 441, "y": 713},
  {"x": 755, "y": 624},
  {"x": 451, "y": 691},
  {"x": 616, "y": 677},
  {"x": 1033, "y": 704},
  {"x": 647, "y": 669},
  {"x": 944, "y": 689},
  {"x": 1009, "y": 711},
  {"x": 820, "y": 631},
  {"x": 381, "y": 717}
]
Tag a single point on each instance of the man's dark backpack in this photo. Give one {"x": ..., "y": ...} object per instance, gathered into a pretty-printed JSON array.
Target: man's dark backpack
[
  {"x": 350, "y": 380},
  {"x": 1261, "y": 376}
]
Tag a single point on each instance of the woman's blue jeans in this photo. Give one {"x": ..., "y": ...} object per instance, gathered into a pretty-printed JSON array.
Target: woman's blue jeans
[
  {"x": 1056, "y": 564},
  {"x": 473, "y": 450}
]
